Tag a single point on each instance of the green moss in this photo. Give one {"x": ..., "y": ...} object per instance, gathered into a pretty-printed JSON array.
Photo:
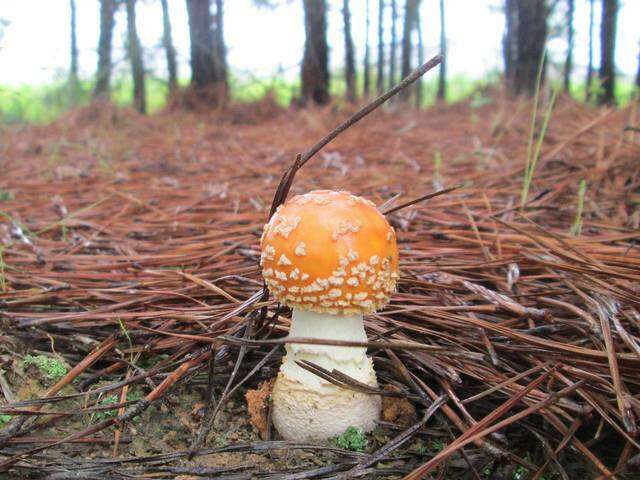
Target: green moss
[
  {"x": 114, "y": 399},
  {"x": 352, "y": 439},
  {"x": 4, "y": 419},
  {"x": 50, "y": 368}
]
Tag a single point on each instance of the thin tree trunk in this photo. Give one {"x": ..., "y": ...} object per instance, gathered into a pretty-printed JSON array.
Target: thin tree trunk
[
  {"x": 393, "y": 45},
  {"x": 366, "y": 67},
  {"x": 135, "y": 55},
  {"x": 74, "y": 43},
  {"x": 169, "y": 49},
  {"x": 442, "y": 77},
  {"x": 315, "y": 63},
  {"x": 380, "y": 75},
  {"x": 532, "y": 35},
  {"x": 203, "y": 76},
  {"x": 409, "y": 24},
  {"x": 220, "y": 54},
  {"x": 103, "y": 76},
  {"x": 590, "y": 65},
  {"x": 510, "y": 42},
  {"x": 418, "y": 27},
  {"x": 607, "y": 51},
  {"x": 350, "y": 67},
  {"x": 568, "y": 64}
]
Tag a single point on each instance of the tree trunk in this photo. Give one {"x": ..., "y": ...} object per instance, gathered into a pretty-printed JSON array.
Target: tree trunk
[
  {"x": 510, "y": 40},
  {"x": 169, "y": 49},
  {"x": 315, "y": 63},
  {"x": 607, "y": 51},
  {"x": 135, "y": 56},
  {"x": 380, "y": 75},
  {"x": 590, "y": 65},
  {"x": 74, "y": 43},
  {"x": 410, "y": 10},
  {"x": 531, "y": 36},
  {"x": 367, "y": 74},
  {"x": 350, "y": 67},
  {"x": 103, "y": 76},
  {"x": 418, "y": 27},
  {"x": 568, "y": 64},
  {"x": 442, "y": 77},
  {"x": 208, "y": 77},
  {"x": 393, "y": 45},
  {"x": 220, "y": 53}
]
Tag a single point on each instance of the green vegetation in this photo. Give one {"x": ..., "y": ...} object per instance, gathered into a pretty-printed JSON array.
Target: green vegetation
[
  {"x": 6, "y": 195},
  {"x": 114, "y": 399},
  {"x": 352, "y": 439},
  {"x": 576, "y": 228},
  {"x": 51, "y": 368},
  {"x": 4, "y": 419}
]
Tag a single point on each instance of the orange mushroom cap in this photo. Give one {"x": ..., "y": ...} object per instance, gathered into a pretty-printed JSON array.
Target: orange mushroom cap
[{"x": 330, "y": 252}]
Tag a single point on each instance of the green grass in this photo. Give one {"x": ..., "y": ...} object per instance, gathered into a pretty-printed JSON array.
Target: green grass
[
  {"x": 51, "y": 368},
  {"x": 44, "y": 103},
  {"x": 352, "y": 439}
]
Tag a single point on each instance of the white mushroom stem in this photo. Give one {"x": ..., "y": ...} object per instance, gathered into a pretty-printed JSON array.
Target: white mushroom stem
[{"x": 307, "y": 407}]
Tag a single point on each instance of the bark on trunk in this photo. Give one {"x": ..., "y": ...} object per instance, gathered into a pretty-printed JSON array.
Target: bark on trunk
[
  {"x": 220, "y": 53},
  {"x": 103, "y": 76},
  {"x": 135, "y": 56},
  {"x": 442, "y": 77},
  {"x": 638, "y": 76},
  {"x": 208, "y": 67},
  {"x": 350, "y": 67},
  {"x": 315, "y": 63},
  {"x": 74, "y": 42},
  {"x": 366, "y": 68},
  {"x": 393, "y": 45},
  {"x": 418, "y": 27},
  {"x": 380, "y": 74},
  {"x": 531, "y": 37},
  {"x": 410, "y": 10},
  {"x": 169, "y": 49},
  {"x": 510, "y": 40},
  {"x": 607, "y": 51},
  {"x": 568, "y": 64},
  {"x": 590, "y": 65}
]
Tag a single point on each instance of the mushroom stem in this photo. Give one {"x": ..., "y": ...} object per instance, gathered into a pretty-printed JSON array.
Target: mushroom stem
[{"x": 307, "y": 407}]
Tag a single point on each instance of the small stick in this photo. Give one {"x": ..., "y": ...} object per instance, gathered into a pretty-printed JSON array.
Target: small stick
[
  {"x": 287, "y": 179},
  {"x": 423, "y": 198}
]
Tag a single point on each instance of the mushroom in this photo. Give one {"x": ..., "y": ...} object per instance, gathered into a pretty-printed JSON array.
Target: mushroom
[{"x": 331, "y": 257}]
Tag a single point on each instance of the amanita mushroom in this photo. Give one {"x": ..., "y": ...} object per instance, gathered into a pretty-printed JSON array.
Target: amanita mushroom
[{"x": 331, "y": 257}]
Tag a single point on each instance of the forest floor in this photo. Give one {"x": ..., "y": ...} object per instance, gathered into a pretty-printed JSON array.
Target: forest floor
[{"x": 129, "y": 260}]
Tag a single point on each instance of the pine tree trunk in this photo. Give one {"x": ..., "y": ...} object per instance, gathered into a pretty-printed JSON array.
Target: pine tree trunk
[
  {"x": 206, "y": 78},
  {"x": 531, "y": 35},
  {"x": 74, "y": 43},
  {"x": 442, "y": 77},
  {"x": 169, "y": 49},
  {"x": 510, "y": 40},
  {"x": 350, "y": 67},
  {"x": 568, "y": 64},
  {"x": 418, "y": 27},
  {"x": 410, "y": 10},
  {"x": 590, "y": 65},
  {"x": 607, "y": 51},
  {"x": 393, "y": 45},
  {"x": 103, "y": 76},
  {"x": 135, "y": 56},
  {"x": 220, "y": 54},
  {"x": 366, "y": 90},
  {"x": 380, "y": 74},
  {"x": 315, "y": 63}
]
